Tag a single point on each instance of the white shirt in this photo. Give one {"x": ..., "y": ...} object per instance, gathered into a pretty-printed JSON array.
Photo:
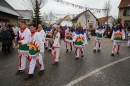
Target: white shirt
[{"x": 15, "y": 29}]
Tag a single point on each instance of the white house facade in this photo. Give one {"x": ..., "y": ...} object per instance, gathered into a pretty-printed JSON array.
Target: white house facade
[{"x": 87, "y": 19}]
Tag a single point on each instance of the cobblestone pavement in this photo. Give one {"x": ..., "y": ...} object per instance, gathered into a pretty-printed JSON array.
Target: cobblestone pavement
[{"x": 70, "y": 69}]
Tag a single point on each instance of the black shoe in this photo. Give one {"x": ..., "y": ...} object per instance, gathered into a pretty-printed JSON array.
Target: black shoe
[
  {"x": 112, "y": 54},
  {"x": 94, "y": 51},
  {"x": 8, "y": 51},
  {"x": 98, "y": 50},
  {"x": 49, "y": 49},
  {"x": 71, "y": 48},
  {"x": 82, "y": 56},
  {"x": 46, "y": 47},
  {"x": 67, "y": 50},
  {"x": 76, "y": 58},
  {"x": 41, "y": 72},
  {"x": 19, "y": 72},
  {"x": 29, "y": 76},
  {"x": 118, "y": 53}
]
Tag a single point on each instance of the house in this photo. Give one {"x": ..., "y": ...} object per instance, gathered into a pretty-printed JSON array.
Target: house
[
  {"x": 66, "y": 21},
  {"x": 59, "y": 21},
  {"x": 7, "y": 14},
  {"x": 86, "y": 18},
  {"x": 124, "y": 12},
  {"x": 26, "y": 15},
  {"x": 111, "y": 21}
]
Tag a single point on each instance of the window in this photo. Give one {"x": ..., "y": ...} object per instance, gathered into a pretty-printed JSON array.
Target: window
[
  {"x": 126, "y": 13},
  {"x": 4, "y": 20},
  {"x": 127, "y": 23}
]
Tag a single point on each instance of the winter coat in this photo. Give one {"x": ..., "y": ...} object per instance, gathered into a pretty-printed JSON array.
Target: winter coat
[{"x": 6, "y": 37}]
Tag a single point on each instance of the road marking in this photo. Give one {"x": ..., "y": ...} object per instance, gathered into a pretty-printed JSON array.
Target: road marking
[{"x": 95, "y": 71}]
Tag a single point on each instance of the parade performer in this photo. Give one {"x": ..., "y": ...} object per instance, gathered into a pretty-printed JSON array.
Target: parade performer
[
  {"x": 69, "y": 38},
  {"x": 42, "y": 32},
  {"x": 88, "y": 32},
  {"x": 56, "y": 44},
  {"x": 36, "y": 50},
  {"x": 79, "y": 41},
  {"x": 128, "y": 44},
  {"x": 117, "y": 36},
  {"x": 23, "y": 41},
  {"x": 99, "y": 37},
  {"x": 48, "y": 36}
]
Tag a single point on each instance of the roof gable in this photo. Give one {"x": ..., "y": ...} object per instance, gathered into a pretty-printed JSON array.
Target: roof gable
[
  {"x": 25, "y": 14},
  {"x": 66, "y": 18},
  {"x": 76, "y": 18},
  {"x": 6, "y": 8},
  {"x": 103, "y": 19},
  {"x": 124, "y": 3}
]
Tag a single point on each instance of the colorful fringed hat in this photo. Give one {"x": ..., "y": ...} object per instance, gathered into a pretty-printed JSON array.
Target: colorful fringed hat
[
  {"x": 79, "y": 23},
  {"x": 48, "y": 24},
  {"x": 73, "y": 25}
]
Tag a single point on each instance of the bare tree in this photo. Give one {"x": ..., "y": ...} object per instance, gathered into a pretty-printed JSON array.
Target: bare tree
[
  {"x": 31, "y": 4},
  {"x": 51, "y": 17},
  {"x": 107, "y": 9},
  {"x": 44, "y": 17}
]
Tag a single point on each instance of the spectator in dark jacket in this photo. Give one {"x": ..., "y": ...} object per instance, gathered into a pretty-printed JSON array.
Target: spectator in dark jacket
[
  {"x": 6, "y": 39},
  {"x": 12, "y": 35}
]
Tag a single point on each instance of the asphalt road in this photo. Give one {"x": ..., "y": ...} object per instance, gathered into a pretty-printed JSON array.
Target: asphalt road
[{"x": 70, "y": 69}]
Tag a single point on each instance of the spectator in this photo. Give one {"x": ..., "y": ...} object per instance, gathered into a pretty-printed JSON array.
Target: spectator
[
  {"x": 0, "y": 33},
  {"x": 12, "y": 35},
  {"x": 6, "y": 39},
  {"x": 64, "y": 32},
  {"x": 0, "y": 29},
  {"x": 61, "y": 32},
  {"x": 15, "y": 29}
]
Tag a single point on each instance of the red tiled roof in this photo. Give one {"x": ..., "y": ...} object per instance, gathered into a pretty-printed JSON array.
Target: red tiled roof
[
  {"x": 103, "y": 19},
  {"x": 124, "y": 3}
]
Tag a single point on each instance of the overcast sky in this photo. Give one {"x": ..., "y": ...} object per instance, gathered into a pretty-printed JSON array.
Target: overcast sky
[{"x": 59, "y": 8}]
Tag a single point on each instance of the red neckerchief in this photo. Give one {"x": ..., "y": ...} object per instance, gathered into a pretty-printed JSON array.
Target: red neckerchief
[
  {"x": 22, "y": 30},
  {"x": 32, "y": 33}
]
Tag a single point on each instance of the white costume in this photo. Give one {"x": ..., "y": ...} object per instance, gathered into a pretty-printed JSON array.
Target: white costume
[
  {"x": 79, "y": 43},
  {"x": 56, "y": 47},
  {"x": 98, "y": 39},
  {"x": 23, "y": 47},
  {"x": 128, "y": 44},
  {"x": 69, "y": 39},
  {"x": 48, "y": 39},
  {"x": 36, "y": 47},
  {"x": 43, "y": 34},
  {"x": 117, "y": 37}
]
